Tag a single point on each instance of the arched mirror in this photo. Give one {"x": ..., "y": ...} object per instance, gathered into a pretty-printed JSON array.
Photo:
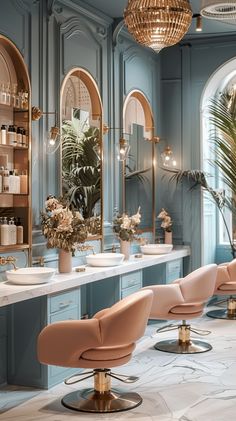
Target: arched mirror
[
  {"x": 81, "y": 151},
  {"x": 139, "y": 166}
]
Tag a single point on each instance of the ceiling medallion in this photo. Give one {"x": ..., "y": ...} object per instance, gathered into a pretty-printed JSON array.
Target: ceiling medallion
[
  {"x": 158, "y": 23},
  {"x": 218, "y": 9}
]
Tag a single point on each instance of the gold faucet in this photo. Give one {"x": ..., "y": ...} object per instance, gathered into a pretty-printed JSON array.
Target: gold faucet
[
  {"x": 8, "y": 260},
  {"x": 40, "y": 261}
]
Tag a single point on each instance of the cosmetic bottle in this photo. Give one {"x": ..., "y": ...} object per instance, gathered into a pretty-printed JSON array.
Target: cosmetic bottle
[
  {"x": 19, "y": 232},
  {"x": 5, "y": 181},
  {"x": 4, "y": 134},
  {"x": 5, "y": 233},
  {"x": 23, "y": 183},
  {"x": 11, "y": 136},
  {"x": 24, "y": 138},
  {"x": 12, "y": 231},
  {"x": 19, "y": 136}
]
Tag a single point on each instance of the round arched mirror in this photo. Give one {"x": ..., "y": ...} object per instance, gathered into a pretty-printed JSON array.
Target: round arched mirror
[
  {"x": 139, "y": 166},
  {"x": 81, "y": 151}
]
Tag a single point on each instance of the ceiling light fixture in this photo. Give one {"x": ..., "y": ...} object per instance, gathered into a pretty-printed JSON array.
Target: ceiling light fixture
[
  {"x": 158, "y": 23},
  {"x": 198, "y": 23},
  {"x": 218, "y": 9}
]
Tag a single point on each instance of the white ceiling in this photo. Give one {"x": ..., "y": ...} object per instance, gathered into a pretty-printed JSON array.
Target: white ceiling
[{"x": 115, "y": 8}]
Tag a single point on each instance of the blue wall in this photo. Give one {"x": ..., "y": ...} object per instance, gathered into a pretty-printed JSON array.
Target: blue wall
[{"x": 53, "y": 41}]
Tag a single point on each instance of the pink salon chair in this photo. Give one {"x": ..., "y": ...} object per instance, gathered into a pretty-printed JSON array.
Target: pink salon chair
[
  {"x": 225, "y": 285},
  {"x": 107, "y": 340},
  {"x": 183, "y": 299}
]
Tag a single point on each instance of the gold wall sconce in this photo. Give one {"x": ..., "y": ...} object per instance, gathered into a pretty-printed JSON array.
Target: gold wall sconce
[
  {"x": 123, "y": 147},
  {"x": 168, "y": 158},
  {"x": 53, "y": 136}
]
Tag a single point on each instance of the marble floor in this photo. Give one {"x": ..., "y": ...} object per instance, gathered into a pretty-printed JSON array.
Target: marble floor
[{"x": 200, "y": 387}]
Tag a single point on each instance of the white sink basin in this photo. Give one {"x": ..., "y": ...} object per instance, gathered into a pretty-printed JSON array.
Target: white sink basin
[
  {"x": 30, "y": 275},
  {"x": 156, "y": 248},
  {"x": 105, "y": 259}
]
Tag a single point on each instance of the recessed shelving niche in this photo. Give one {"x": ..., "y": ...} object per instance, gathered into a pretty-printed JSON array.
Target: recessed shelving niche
[{"x": 15, "y": 144}]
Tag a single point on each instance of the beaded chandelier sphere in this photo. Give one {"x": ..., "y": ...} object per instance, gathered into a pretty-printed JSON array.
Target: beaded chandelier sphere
[{"x": 158, "y": 23}]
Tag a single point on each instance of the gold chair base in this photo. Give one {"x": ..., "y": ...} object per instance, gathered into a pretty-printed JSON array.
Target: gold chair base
[
  {"x": 90, "y": 400},
  {"x": 176, "y": 347},
  {"x": 221, "y": 314}
]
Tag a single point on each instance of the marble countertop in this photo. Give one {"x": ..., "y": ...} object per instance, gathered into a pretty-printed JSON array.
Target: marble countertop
[{"x": 10, "y": 293}]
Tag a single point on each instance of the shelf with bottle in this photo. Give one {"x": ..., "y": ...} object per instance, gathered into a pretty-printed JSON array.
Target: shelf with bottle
[
  {"x": 13, "y": 181},
  {"x": 13, "y": 96},
  {"x": 11, "y": 231},
  {"x": 14, "y": 109},
  {"x": 14, "y": 147},
  {"x": 14, "y": 247},
  {"x": 13, "y": 194},
  {"x": 12, "y": 135}
]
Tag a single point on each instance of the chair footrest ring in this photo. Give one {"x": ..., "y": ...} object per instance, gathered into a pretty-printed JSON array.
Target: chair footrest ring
[
  {"x": 176, "y": 347},
  {"x": 91, "y": 401}
]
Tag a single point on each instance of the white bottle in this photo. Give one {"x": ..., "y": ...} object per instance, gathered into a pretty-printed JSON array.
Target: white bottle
[
  {"x": 5, "y": 240},
  {"x": 5, "y": 181},
  {"x": 11, "y": 182},
  {"x": 0, "y": 183},
  {"x": 12, "y": 232},
  {"x": 19, "y": 232},
  {"x": 4, "y": 134},
  {"x": 17, "y": 181}
]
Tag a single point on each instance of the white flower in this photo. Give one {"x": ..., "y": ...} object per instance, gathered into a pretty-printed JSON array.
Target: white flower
[
  {"x": 52, "y": 203},
  {"x": 126, "y": 222},
  {"x": 136, "y": 219}
]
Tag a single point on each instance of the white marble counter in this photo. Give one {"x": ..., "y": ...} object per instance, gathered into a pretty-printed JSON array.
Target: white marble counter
[{"x": 10, "y": 294}]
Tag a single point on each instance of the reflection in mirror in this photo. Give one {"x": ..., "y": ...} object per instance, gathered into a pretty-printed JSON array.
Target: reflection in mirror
[
  {"x": 138, "y": 169},
  {"x": 81, "y": 154}
]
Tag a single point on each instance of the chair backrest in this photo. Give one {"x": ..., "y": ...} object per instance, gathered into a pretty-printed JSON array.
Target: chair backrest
[
  {"x": 231, "y": 267},
  {"x": 226, "y": 272},
  {"x": 125, "y": 321},
  {"x": 199, "y": 285}
]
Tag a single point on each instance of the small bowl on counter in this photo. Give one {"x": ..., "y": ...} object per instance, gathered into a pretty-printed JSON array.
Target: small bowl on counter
[
  {"x": 30, "y": 275},
  {"x": 156, "y": 248},
  {"x": 105, "y": 259}
]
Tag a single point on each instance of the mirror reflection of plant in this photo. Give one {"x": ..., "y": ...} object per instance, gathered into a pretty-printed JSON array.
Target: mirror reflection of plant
[
  {"x": 133, "y": 172},
  {"x": 81, "y": 168}
]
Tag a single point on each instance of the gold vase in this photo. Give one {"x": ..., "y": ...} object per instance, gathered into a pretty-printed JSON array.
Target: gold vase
[
  {"x": 168, "y": 237},
  {"x": 125, "y": 248},
  {"x": 64, "y": 261}
]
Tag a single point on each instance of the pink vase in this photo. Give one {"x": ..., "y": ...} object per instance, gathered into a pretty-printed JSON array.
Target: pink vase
[
  {"x": 125, "y": 248},
  {"x": 168, "y": 237},
  {"x": 64, "y": 261}
]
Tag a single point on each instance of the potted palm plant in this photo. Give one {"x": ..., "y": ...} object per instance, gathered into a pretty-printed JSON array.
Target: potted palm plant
[{"x": 222, "y": 115}]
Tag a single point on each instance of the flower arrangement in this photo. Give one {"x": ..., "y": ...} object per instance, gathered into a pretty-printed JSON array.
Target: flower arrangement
[
  {"x": 62, "y": 227},
  {"x": 166, "y": 220},
  {"x": 125, "y": 227}
]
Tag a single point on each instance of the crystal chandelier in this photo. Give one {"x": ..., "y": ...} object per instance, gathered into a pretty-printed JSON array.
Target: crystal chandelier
[{"x": 158, "y": 23}]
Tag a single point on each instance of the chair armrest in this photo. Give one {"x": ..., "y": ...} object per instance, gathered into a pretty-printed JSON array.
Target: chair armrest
[
  {"x": 62, "y": 343},
  {"x": 165, "y": 297}
]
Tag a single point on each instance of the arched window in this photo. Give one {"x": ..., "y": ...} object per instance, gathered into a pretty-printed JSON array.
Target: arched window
[{"x": 214, "y": 231}]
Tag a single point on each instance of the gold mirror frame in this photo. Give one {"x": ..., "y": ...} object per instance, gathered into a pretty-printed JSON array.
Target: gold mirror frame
[
  {"x": 149, "y": 130},
  {"x": 95, "y": 113}
]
